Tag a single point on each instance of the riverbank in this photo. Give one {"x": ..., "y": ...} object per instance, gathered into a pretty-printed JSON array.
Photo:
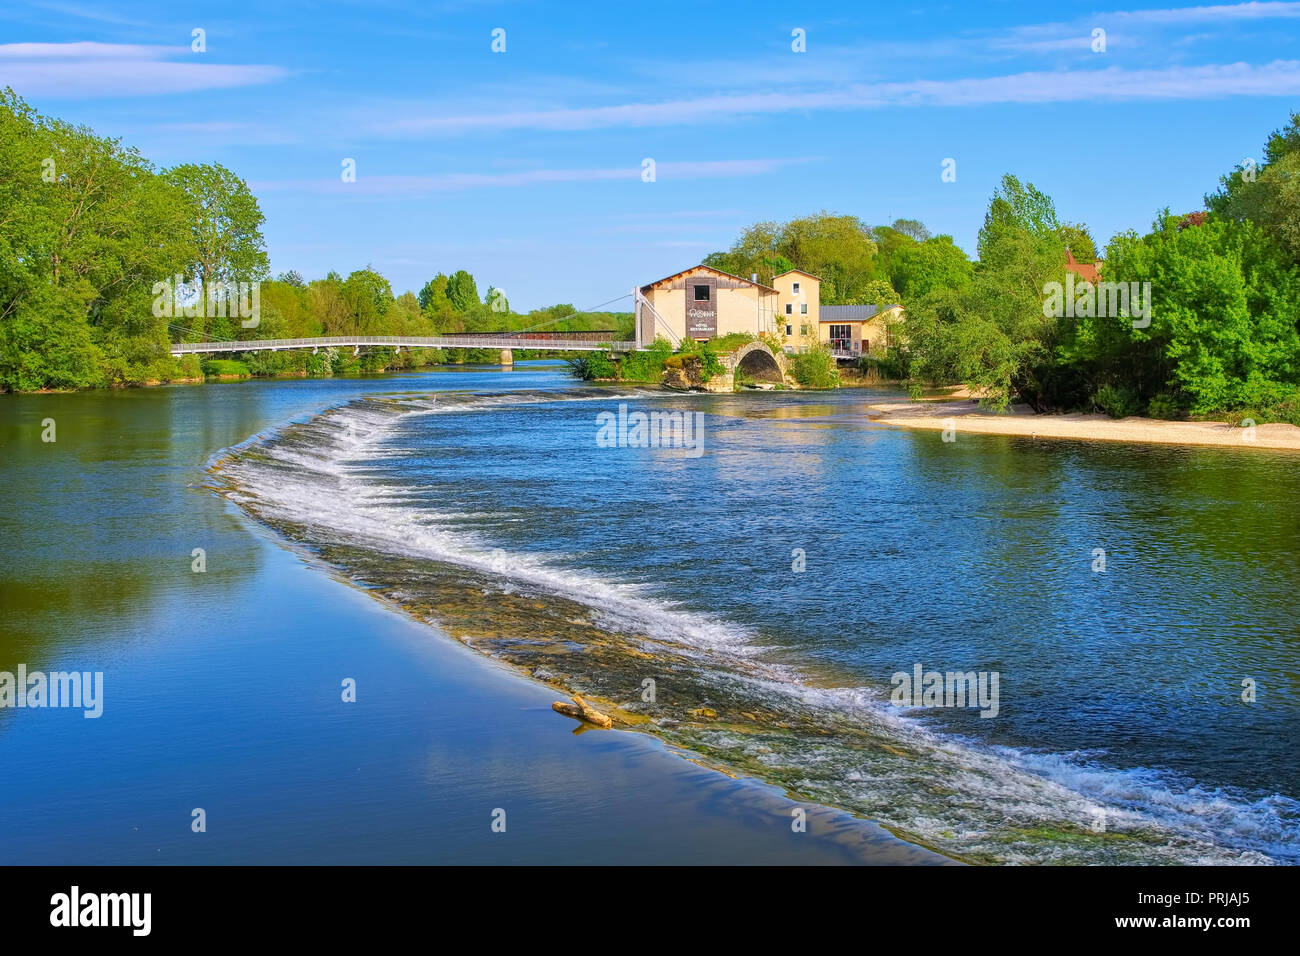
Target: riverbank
[{"x": 965, "y": 416}]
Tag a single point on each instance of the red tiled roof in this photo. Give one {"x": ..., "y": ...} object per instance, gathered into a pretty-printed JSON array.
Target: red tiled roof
[{"x": 1084, "y": 270}]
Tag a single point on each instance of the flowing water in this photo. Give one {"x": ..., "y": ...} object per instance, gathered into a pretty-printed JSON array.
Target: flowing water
[{"x": 751, "y": 601}]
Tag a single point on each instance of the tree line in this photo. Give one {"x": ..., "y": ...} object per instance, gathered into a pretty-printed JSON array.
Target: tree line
[{"x": 93, "y": 237}]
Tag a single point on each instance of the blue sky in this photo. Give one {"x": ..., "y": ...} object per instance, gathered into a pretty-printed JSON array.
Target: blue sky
[{"x": 525, "y": 167}]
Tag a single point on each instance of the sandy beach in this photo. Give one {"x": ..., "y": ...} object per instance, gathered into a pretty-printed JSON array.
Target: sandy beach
[{"x": 966, "y": 416}]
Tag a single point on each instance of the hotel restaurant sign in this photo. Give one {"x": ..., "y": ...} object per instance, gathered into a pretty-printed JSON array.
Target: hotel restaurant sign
[{"x": 702, "y": 307}]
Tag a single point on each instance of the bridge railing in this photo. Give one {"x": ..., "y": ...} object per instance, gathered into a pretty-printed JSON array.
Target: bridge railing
[{"x": 469, "y": 340}]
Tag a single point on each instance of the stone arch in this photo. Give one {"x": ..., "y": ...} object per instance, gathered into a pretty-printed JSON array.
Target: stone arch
[{"x": 757, "y": 362}]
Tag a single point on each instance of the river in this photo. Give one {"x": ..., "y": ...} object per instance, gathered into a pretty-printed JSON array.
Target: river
[{"x": 747, "y": 605}]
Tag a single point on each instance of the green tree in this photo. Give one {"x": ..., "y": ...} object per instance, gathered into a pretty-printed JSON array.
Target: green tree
[
  {"x": 86, "y": 229},
  {"x": 225, "y": 223},
  {"x": 461, "y": 291},
  {"x": 328, "y": 306},
  {"x": 496, "y": 300},
  {"x": 368, "y": 297},
  {"x": 912, "y": 228},
  {"x": 225, "y": 236},
  {"x": 433, "y": 292},
  {"x": 992, "y": 333},
  {"x": 1078, "y": 240},
  {"x": 1269, "y": 195},
  {"x": 838, "y": 249},
  {"x": 1223, "y": 321},
  {"x": 918, "y": 268},
  {"x": 879, "y": 292}
]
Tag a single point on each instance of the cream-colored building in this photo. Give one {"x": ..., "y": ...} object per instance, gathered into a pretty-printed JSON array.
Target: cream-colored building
[
  {"x": 798, "y": 306},
  {"x": 856, "y": 330},
  {"x": 704, "y": 303}
]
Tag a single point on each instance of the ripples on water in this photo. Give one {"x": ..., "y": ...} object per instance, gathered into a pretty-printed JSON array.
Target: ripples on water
[{"x": 496, "y": 517}]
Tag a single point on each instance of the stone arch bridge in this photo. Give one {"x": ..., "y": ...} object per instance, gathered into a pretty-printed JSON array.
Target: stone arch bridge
[{"x": 756, "y": 361}]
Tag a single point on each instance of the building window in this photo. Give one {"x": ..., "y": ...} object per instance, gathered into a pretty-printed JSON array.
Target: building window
[
  {"x": 789, "y": 309},
  {"x": 841, "y": 338},
  {"x": 701, "y": 293},
  {"x": 803, "y": 308},
  {"x": 803, "y": 329},
  {"x": 796, "y": 288},
  {"x": 789, "y": 330}
]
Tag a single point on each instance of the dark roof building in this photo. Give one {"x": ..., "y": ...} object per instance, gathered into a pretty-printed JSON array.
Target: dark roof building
[{"x": 853, "y": 313}]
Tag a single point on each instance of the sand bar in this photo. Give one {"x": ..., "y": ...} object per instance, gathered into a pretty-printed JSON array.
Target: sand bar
[{"x": 966, "y": 416}]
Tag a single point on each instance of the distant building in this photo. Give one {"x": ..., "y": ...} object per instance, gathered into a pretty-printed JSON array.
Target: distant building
[
  {"x": 704, "y": 303},
  {"x": 1086, "y": 271}
]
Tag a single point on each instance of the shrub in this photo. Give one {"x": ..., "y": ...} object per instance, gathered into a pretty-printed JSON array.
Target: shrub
[
  {"x": 706, "y": 354},
  {"x": 773, "y": 341},
  {"x": 213, "y": 368},
  {"x": 892, "y": 365},
  {"x": 343, "y": 362},
  {"x": 1166, "y": 406},
  {"x": 593, "y": 365},
  {"x": 815, "y": 368},
  {"x": 1285, "y": 410},
  {"x": 1117, "y": 401},
  {"x": 376, "y": 360},
  {"x": 733, "y": 341},
  {"x": 318, "y": 364},
  {"x": 647, "y": 366}
]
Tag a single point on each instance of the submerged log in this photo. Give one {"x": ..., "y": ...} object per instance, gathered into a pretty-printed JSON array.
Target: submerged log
[{"x": 581, "y": 710}]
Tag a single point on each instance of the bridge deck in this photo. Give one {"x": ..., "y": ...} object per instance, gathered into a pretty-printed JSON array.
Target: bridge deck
[{"x": 469, "y": 341}]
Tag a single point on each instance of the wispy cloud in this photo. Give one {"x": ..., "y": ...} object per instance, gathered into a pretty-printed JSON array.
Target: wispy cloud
[
  {"x": 413, "y": 186},
  {"x": 1207, "y": 14},
  {"x": 82, "y": 12},
  {"x": 1280, "y": 78},
  {"x": 85, "y": 50},
  {"x": 881, "y": 55},
  {"x": 96, "y": 70},
  {"x": 1127, "y": 28}
]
